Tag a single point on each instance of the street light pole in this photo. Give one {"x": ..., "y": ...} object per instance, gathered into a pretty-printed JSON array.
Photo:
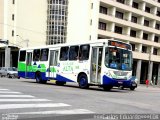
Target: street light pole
[{"x": 149, "y": 77}]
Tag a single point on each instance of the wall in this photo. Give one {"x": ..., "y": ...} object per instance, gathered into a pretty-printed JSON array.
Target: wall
[
  {"x": 79, "y": 20},
  {"x": 1, "y": 18},
  {"x": 30, "y": 22}
]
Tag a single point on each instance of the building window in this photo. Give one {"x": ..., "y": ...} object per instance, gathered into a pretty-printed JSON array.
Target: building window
[
  {"x": 91, "y": 5},
  {"x": 133, "y": 47},
  {"x": 156, "y": 39},
  {"x": 133, "y": 33},
  {"x": 12, "y": 33},
  {"x": 12, "y": 16},
  {"x": 134, "y": 19},
  {"x": 157, "y": 26},
  {"x": 119, "y": 15},
  {"x": 155, "y": 50},
  {"x": 158, "y": 13},
  {"x": 147, "y": 9},
  {"x": 144, "y": 49},
  {"x": 135, "y": 5},
  {"x": 103, "y": 10},
  {"x": 146, "y": 23},
  {"x": 102, "y": 26},
  {"x": 13, "y": 1},
  {"x": 121, "y": 1},
  {"x": 118, "y": 30},
  {"x": 91, "y": 22},
  {"x": 145, "y": 36}
]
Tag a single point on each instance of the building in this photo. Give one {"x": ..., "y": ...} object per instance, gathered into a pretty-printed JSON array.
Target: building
[
  {"x": 1, "y": 31},
  {"x": 23, "y": 25},
  {"x": 38, "y": 22},
  {"x": 136, "y": 22}
]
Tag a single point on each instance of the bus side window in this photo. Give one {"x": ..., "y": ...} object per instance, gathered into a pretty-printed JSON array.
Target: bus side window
[
  {"x": 36, "y": 55},
  {"x": 73, "y": 52},
  {"x": 44, "y": 54},
  {"x": 64, "y": 53},
  {"x": 22, "y": 56},
  {"x": 84, "y": 52}
]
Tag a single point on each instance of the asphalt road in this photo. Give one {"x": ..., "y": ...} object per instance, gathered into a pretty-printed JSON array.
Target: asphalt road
[{"x": 25, "y": 99}]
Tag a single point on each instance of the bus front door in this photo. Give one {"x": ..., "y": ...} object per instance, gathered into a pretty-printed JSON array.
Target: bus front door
[
  {"x": 53, "y": 63},
  {"x": 28, "y": 65},
  {"x": 96, "y": 61}
]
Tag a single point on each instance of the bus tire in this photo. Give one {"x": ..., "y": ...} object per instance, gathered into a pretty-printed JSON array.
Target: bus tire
[
  {"x": 83, "y": 81},
  {"x": 107, "y": 87},
  {"x": 38, "y": 77},
  {"x": 60, "y": 83}
]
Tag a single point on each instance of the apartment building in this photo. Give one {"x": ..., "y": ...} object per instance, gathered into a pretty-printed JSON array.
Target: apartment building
[
  {"x": 39, "y": 22},
  {"x": 138, "y": 23}
]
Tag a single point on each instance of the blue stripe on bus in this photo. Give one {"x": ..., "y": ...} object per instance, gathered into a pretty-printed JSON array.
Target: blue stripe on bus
[
  {"x": 61, "y": 78},
  {"x": 114, "y": 82},
  {"x": 31, "y": 75},
  {"x": 21, "y": 74}
]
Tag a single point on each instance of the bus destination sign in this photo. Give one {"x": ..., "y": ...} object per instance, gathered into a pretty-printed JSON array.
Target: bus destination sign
[{"x": 119, "y": 44}]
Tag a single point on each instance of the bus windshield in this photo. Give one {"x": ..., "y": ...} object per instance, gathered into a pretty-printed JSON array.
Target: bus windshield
[{"x": 116, "y": 58}]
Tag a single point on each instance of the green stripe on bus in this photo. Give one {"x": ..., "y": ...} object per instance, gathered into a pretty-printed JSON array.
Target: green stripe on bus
[
  {"x": 21, "y": 66},
  {"x": 52, "y": 69},
  {"x": 32, "y": 68}
]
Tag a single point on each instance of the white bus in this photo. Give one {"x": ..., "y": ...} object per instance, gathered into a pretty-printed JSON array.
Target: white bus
[{"x": 105, "y": 63}]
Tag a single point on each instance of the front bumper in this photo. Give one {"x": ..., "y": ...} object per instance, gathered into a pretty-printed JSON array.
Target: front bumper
[{"x": 117, "y": 83}]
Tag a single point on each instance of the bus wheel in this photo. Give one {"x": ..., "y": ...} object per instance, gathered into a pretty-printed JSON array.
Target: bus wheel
[
  {"x": 61, "y": 83},
  {"x": 38, "y": 77},
  {"x": 107, "y": 87},
  {"x": 83, "y": 81},
  {"x": 132, "y": 88}
]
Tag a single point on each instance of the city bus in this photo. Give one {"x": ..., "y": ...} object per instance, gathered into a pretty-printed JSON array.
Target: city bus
[{"x": 105, "y": 63}]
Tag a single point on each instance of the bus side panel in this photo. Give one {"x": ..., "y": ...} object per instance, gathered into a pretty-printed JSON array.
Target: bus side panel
[
  {"x": 62, "y": 78},
  {"x": 69, "y": 70},
  {"x": 21, "y": 69},
  {"x": 41, "y": 67},
  {"x": 32, "y": 70}
]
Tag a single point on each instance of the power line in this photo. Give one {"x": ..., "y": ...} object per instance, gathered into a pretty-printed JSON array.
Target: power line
[{"x": 23, "y": 28}]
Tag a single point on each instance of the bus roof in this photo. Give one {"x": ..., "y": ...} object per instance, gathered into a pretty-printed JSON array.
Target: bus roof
[{"x": 72, "y": 43}]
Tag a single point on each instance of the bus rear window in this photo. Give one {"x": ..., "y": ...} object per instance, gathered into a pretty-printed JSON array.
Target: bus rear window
[{"x": 22, "y": 56}]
